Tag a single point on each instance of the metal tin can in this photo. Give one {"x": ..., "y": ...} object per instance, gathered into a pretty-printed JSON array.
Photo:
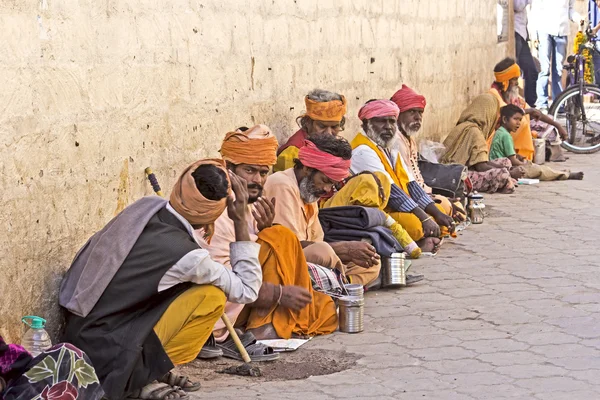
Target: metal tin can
[
  {"x": 393, "y": 270},
  {"x": 351, "y": 314}
]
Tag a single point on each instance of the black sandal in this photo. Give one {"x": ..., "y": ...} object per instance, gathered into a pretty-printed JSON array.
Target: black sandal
[
  {"x": 158, "y": 391},
  {"x": 180, "y": 381}
]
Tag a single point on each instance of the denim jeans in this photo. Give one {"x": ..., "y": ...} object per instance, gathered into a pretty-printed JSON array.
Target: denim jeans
[
  {"x": 530, "y": 74},
  {"x": 552, "y": 53}
]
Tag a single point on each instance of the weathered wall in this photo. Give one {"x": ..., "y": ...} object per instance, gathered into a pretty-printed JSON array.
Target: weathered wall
[{"x": 92, "y": 92}]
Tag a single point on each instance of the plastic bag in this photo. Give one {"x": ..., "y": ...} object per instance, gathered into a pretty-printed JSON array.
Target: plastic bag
[{"x": 431, "y": 151}]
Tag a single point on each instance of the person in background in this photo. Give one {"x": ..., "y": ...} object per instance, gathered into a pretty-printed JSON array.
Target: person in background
[
  {"x": 502, "y": 146},
  {"x": 552, "y": 24},
  {"x": 523, "y": 52},
  {"x": 325, "y": 112}
]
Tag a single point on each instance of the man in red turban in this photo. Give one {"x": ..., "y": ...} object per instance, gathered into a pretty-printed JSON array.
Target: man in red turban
[
  {"x": 323, "y": 161},
  {"x": 412, "y": 106},
  {"x": 375, "y": 151}
]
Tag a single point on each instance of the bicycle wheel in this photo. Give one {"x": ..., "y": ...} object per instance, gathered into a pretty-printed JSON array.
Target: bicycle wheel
[{"x": 580, "y": 115}]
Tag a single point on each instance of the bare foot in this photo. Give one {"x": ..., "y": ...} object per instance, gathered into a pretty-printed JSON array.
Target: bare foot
[
  {"x": 576, "y": 176},
  {"x": 429, "y": 244},
  {"x": 264, "y": 332}
]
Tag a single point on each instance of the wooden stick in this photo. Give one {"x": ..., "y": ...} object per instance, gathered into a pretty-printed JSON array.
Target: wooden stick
[
  {"x": 236, "y": 339},
  {"x": 224, "y": 317}
]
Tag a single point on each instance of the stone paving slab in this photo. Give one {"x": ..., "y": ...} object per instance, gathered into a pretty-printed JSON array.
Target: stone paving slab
[{"x": 511, "y": 309}]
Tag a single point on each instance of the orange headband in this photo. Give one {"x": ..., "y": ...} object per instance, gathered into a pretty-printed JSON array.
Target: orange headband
[
  {"x": 330, "y": 111},
  {"x": 256, "y": 146},
  {"x": 505, "y": 76},
  {"x": 187, "y": 200}
]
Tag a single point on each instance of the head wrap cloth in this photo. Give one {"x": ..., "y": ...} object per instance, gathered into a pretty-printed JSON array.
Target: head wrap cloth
[
  {"x": 335, "y": 168},
  {"x": 187, "y": 200},
  {"x": 505, "y": 76},
  {"x": 407, "y": 99},
  {"x": 378, "y": 109},
  {"x": 329, "y": 111},
  {"x": 256, "y": 146}
]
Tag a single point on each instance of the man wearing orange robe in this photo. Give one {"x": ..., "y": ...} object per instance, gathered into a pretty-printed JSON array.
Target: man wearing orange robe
[{"x": 287, "y": 304}]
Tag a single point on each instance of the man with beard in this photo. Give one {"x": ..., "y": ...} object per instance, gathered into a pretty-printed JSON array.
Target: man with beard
[
  {"x": 506, "y": 90},
  {"x": 286, "y": 304},
  {"x": 412, "y": 106},
  {"x": 376, "y": 151},
  {"x": 325, "y": 112},
  {"x": 323, "y": 161}
]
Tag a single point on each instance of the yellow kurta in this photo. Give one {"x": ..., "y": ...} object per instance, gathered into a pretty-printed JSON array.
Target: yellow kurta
[{"x": 285, "y": 160}]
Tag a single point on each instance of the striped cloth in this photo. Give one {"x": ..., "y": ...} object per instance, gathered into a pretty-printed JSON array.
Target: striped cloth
[{"x": 325, "y": 280}]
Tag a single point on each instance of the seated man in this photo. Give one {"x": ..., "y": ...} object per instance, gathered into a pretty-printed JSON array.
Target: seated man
[
  {"x": 142, "y": 295},
  {"x": 502, "y": 146},
  {"x": 286, "y": 304},
  {"x": 506, "y": 90},
  {"x": 322, "y": 162},
  {"x": 412, "y": 107},
  {"x": 375, "y": 151},
  {"x": 324, "y": 114}
]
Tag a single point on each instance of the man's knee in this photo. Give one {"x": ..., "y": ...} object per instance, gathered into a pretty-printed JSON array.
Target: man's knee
[{"x": 209, "y": 294}]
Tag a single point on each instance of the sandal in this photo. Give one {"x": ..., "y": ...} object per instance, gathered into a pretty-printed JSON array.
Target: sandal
[
  {"x": 256, "y": 351},
  {"x": 210, "y": 349},
  {"x": 158, "y": 391},
  {"x": 180, "y": 381}
]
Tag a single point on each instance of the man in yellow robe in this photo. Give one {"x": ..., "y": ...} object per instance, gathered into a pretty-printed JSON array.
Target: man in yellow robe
[
  {"x": 375, "y": 151},
  {"x": 506, "y": 90},
  {"x": 325, "y": 112},
  {"x": 287, "y": 304},
  {"x": 323, "y": 161}
]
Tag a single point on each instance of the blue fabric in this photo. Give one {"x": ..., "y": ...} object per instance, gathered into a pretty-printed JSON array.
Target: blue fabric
[
  {"x": 419, "y": 195},
  {"x": 400, "y": 201},
  {"x": 552, "y": 53}
]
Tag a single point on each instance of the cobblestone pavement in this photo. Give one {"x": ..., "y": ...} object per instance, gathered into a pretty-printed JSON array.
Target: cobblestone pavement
[{"x": 509, "y": 310}]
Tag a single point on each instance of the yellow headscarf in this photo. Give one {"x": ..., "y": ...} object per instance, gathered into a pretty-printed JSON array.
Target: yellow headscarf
[{"x": 505, "y": 76}]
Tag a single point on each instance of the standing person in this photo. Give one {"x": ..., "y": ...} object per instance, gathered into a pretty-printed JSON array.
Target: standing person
[
  {"x": 523, "y": 52},
  {"x": 552, "y": 24},
  {"x": 325, "y": 112}
]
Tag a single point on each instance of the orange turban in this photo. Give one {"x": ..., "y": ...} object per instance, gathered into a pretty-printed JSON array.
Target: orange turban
[
  {"x": 330, "y": 111},
  {"x": 505, "y": 76},
  {"x": 187, "y": 200},
  {"x": 256, "y": 146}
]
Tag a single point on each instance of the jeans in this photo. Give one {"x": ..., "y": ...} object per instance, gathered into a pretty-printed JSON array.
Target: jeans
[
  {"x": 552, "y": 48},
  {"x": 596, "y": 61},
  {"x": 530, "y": 74}
]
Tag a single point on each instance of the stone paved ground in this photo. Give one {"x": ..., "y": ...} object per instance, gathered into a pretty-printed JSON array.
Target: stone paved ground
[{"x": 510, "y": 310}]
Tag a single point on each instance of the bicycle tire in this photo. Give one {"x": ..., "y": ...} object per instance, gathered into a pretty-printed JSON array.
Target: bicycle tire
[{"x": 562, "y": 101}]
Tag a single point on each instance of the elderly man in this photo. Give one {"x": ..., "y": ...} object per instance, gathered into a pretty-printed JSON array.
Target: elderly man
[
  {"x": 506, "y": 90},
  {"x": 323, "y": 161},
  {"x": 287, "y": 304},
  {"x": 375, "y": 151},
  {"x": 412, "y": 106},
  {"x": 324, "y": 115},
  {"x": 142, "y": 295}
]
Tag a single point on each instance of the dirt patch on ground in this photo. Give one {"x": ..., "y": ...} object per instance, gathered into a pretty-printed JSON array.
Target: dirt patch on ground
[{"x": 300, "y": 364}]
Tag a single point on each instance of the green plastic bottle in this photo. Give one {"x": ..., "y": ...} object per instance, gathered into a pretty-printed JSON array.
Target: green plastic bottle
[{"x": 36, "y": 339}]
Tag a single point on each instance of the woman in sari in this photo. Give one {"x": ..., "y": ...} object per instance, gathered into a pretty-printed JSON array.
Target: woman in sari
[{"x": 467, "y": 145}]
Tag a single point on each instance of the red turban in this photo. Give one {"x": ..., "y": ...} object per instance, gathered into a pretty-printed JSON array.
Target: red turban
[
  {"x": 407, "y": 99},
  {"x": 378, "y": 109},
  {"x": 335, "y": 168}
]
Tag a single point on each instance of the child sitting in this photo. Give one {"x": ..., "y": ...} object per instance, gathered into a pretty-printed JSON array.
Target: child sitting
[{"x": 502, "y": 146}]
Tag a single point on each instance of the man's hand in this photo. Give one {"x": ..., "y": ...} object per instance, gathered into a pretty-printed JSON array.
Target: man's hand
[
  {"x": 295, "y": 297},
  {"x": 443, "y": 220},
  {"x": 562, "y": 132},
  {"x": 458, "y": 213},
  {"x": 431, "y": 228},
  {"x": 237, "y": 209},
  {"x": 363, "y": 254},
  {"x": 264, "y": 213},
  {"x": 517, "y": 172}
]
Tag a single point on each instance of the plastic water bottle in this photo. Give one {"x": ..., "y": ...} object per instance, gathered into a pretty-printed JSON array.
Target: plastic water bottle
[{"x": 36, "y": 339}]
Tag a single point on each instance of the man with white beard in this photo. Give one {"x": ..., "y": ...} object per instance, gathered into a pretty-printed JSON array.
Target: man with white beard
[
  {"x": 412, "y": 106},
  {"x": 375, "y": 150},
  {"x": 534, "y": 123}
]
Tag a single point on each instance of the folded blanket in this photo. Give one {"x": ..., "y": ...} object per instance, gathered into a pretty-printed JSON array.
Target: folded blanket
[
  {"x": 351, "y": 217},
  {"x": 385, "y": 243}
]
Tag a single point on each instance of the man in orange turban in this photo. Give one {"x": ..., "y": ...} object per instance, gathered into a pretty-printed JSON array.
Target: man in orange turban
[
  {"x": 506, "y": 89},
  {"x": 287, "y": 304},
  {"x": 325, "y": 112},
  {"x": 142, "y": 295}
]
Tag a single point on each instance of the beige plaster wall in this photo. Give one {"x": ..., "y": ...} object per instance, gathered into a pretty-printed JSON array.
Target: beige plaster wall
[{"x": 92, "y": 92}]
